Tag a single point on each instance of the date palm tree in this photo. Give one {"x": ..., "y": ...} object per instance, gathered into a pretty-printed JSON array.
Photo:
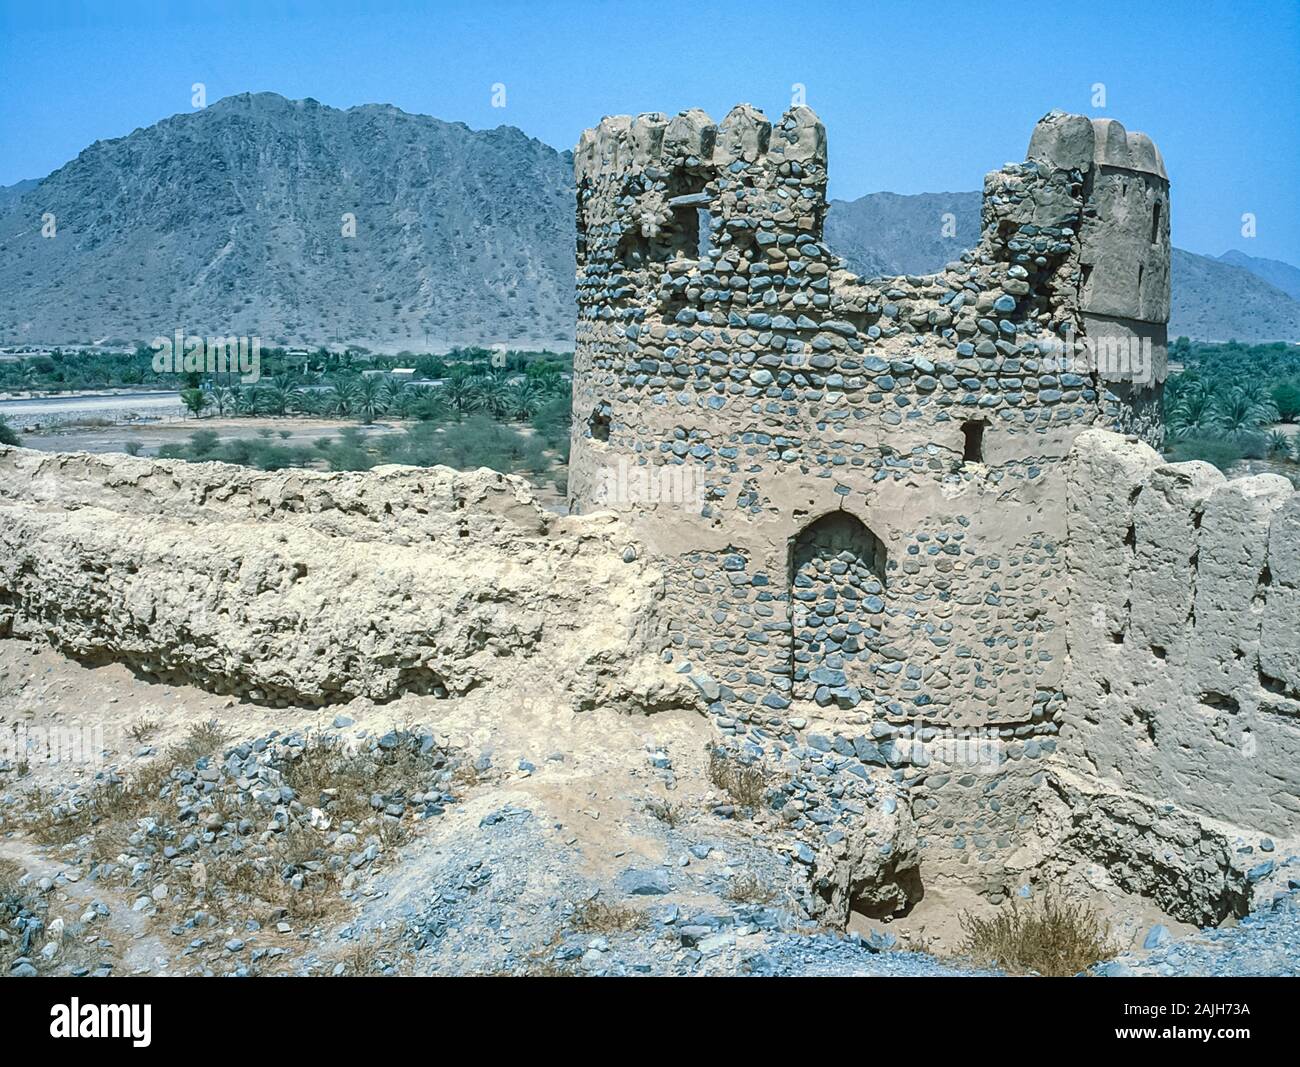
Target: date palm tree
[
  {"x": 521, "y": 400},
  {"x": 223, "y": 399},
  {"x": 300, "y": 400},
  {"x": 195, "y": 400},
  {"x": 549, "y": 380},
  {"x": 274, "y": 399},
  {"x": 460, "y": 394},
  {"x": 245, "y": 400},
  {"x": 370, "y": 394},
  {"x": 1191, "y": 410},
  {"x": 1242, "y": 411},
  {"x": 341, "y": 397},
  {"x": 491, "y": 393},
  {"x": 429, "y": 405},
  {"x": 391, "y": 396}
]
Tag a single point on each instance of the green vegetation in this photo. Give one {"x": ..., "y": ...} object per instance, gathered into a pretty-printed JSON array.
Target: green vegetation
[
  {"x": 471, "y": 408},
  {"x": 475, "y": 441},
  {"x": 537, "y": 391},
  {"x": 7, "y": 435},
  {"x": 1223, "y": 405},
  {"x": 64, "y": 370}
]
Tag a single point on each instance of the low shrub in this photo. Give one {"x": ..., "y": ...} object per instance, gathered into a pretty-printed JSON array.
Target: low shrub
[{"x": 1045, "y": 935}]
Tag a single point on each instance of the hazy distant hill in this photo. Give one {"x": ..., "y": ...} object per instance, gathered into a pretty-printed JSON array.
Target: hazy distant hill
[
  {"x": 1217, "y": 301},
  {"x": 10, "y": 193},
  {"x": 1274, "y": 271},
  {"x": 228, "y": 220},
  {"x": 888, "y": 233}
]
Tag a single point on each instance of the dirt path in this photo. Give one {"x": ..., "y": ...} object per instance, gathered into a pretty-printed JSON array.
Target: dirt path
[{"x": 136, "y": 949}]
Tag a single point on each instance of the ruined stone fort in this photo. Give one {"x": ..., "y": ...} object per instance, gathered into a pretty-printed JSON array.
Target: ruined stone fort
[{"x": 908, "y": 541}]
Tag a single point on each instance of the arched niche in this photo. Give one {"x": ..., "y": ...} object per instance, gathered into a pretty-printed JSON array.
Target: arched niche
[{"x": 837, "y": 589}]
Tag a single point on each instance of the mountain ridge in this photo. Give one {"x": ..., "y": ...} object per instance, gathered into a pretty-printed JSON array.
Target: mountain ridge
[
  {"x": 233, "y": 219},
  {"x": 1277, "y": 272}
]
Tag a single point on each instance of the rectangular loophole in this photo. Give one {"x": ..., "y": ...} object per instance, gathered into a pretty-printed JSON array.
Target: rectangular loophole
[{"x": 973, "y": 445}]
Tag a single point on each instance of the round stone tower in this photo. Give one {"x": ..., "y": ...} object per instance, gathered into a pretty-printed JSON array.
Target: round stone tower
[{"x": 852, "y": 486}]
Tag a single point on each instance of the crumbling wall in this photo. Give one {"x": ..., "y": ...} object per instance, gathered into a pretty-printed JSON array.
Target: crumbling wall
[
  {"x": 1182, "y": 678},
  {"x": 724, "y": 352},
  {"x": 308, "y": 588}
]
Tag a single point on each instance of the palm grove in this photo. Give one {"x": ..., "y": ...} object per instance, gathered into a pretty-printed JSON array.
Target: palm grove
[
  {"x": 470, "y": 408},
  {"x": 1225, "y": 403},
  {"x": 1232, "y": 402}
]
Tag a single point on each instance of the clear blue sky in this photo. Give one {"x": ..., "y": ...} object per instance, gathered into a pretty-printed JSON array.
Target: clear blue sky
[{"x": 916, "y": 97}]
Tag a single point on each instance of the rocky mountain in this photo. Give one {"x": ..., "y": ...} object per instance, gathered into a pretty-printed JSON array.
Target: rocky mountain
[
  {"x": 1212, "y": 299},
  {"x": 889, "y": 233},
  {"x": 1217, "y": 301},
  {"x": 10, "y": 193},
  {"x": 235, "y": 219},
  {"x": 1274, "y": 271}
]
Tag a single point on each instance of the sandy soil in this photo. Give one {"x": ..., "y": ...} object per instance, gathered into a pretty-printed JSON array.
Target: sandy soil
[{"x": 153, "y": 435}]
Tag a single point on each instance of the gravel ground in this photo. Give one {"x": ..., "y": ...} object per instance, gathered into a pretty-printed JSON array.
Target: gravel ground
[
  {"x": 609, "y": 856},
  {"x": 1263, "y": 944},
  {"x": 513, "y": 898}
]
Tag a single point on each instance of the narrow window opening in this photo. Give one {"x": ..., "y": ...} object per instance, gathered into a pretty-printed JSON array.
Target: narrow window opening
[
  {"x": 704, "y": 233},
  {"x": 1155, "y": 224},
  {"x": 973, "y": 446},
  {"x": 687, "y": 231},
  {"x": 598, "y": 422}
]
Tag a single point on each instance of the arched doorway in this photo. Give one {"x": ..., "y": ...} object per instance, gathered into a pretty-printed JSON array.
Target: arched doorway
[{"x": 837, "y": 588}]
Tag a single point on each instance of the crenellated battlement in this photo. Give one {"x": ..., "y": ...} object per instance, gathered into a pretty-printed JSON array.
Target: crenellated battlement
[{"x": 654, "y": 191}]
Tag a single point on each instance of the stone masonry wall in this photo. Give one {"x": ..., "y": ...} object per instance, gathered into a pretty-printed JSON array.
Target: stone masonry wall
[{"x": 735, "y": 387}]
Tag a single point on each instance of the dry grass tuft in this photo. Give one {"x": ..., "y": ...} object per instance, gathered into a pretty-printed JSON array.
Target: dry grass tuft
[
  {"x": 1047, "y": 935},
  {"x": 368, "y": 956},
  {"x": 665, "y": 811},
  {"x": 465, "y": 777},
  {"x": 202, "y": 739},
  {"x": 292, "y": 873},
  {"x": 142, "y": 730},
  {"x": 746, "y": 785},
  {"x": 599, "y": 917},
  {"x": 747, "y": 889},
  {"x": 11, "y": 894},
  {"x": 330, "y": 775},
  {"x": 100, "y": 811}
]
